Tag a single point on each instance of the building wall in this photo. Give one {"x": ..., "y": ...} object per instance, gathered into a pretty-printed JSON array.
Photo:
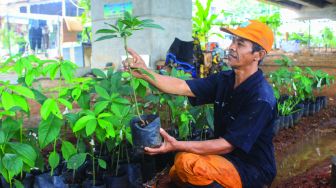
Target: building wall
[{"x": 173, "y": 15}]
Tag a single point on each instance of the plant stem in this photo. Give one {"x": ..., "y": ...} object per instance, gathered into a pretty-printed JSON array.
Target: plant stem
[
  {"x": 10, "y": 182},
  {"x": 128, "y": 160},
  {"x": 93, "y": 167},
  {"x": 21, "y": 127},
  {"x": 73, "y": 176},
  {"x": 100, "y": 153},
  {"x": 112, "y": 159},
  {"x": 130, "y": 71},
  {"x": 116, "y": 172},
  {"x": 52, "y": 169}
]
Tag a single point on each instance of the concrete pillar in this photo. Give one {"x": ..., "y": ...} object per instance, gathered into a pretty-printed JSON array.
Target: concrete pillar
[{"x": 173, "y": 15}]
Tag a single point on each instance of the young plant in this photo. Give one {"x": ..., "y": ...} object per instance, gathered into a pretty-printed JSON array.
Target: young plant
[
  {"x": 285, "y": 61},
  {"x": 203, "y": 21},
  {"x": 281, "y": 80},
  {"x": 15, "y": 157},
  {"x": 124, "y": 28},
  {"x": 109, "y": 117},
  {"x": 119, "y": 107},
  {"x": 174, "y": 109},
  {"x": 287, "y": 107},
  {"x": 302, "y": 85},
  {"x": 73, "y": 158},
  {"x": 52, "y": 118}
]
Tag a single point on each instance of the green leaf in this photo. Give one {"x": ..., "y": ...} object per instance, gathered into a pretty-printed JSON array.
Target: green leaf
[
  {"x": 46, "y": 108},
  {"x": 68, "y": 150},
  {"x": 55, "y": 110},
  {"x": 110, "y": 131},
  {"x": 65, "y": 103},
  {"x": 106, "y": 31},
  {"x": 141, "y": 90},
  {"x": 126, "y": 75},
  {"x": 135, "y": 83},
  {"x": 18, "y": 184},
  {"x": 152, "y": 26},
  {"x": 53, "y": 159},
  {"x": 63, "y": 92},
  {"x": 90, "y": 127},
  {"x": 209, "y": 116},
  {"x": 21, "y": 102},
  {"x": 39, "y": 97},
  {"x": 25, "y": 152},
  {"x": 12, "y": 163},
  {"x": 81, "y": 123},
  {"x": 2, "y": 137},
  {"x": 144, "y": 83},
  {"x": 98, "y": 73},
  {"x": 10, "y": 127},
  {"x": 100, "y": 106},
  {"x": 106, "y": 37},
  {"x": 125, "y": 110},
  {"x": 103, "y": 123},
  {"x": 100, "y": 135},
  {"x": 49, "y": 130},
  {"x": 24, "y": 91},
  {"x": 7, "y": 101},
  {"x": 102, "y": 92},
  {"x": 116, "y": 110},
  {"x": 68, "y": 69},
  {"x": 3, "y": 171},
  {"x": 52, "y": 70},
  {"x": 76, "y": 93},
  {"x": 121, "y": 100},
  {"x": 102, "y": 115},
  {"x": 102, "y": 163},
  {"x": 76, "y": 161}
]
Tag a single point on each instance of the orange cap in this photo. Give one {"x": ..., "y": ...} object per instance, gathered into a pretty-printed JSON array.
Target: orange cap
[{"x": 255, "y": 31}]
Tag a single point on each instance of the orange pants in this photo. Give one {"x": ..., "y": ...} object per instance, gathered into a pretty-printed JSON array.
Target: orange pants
[{"x": 202, "y": 170}]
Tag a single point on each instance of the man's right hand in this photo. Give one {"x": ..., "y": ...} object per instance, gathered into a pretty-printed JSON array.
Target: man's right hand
[
  {"x": 165, "y": 84},
  {"x": 135, "y": 64}
]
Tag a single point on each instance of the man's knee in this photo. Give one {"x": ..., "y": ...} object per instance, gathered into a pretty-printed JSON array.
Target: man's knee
[{"x": 183, "y": 156}]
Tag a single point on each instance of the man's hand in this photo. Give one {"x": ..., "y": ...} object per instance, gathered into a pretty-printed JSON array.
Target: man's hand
[
  {"x": 168, "y": 145},
  {"x": 135, "y": 64}
]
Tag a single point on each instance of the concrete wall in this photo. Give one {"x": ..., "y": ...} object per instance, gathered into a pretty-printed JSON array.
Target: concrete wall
[{"x": 173, "y": 15}]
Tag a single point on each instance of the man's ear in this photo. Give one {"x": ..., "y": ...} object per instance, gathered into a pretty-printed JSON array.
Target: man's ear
[{"x": 259, "y": 55}]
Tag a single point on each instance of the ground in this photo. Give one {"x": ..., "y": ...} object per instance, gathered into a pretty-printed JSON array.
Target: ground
[{"x": 318, "y": 174}]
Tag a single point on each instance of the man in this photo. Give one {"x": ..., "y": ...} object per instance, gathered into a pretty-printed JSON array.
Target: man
[{"x": 242, "y": 154}]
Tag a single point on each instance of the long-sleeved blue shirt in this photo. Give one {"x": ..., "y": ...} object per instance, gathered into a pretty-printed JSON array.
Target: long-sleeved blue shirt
[{"x": 244, "y": 116}]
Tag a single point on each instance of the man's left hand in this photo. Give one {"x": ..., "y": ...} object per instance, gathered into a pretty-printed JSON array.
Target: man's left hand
[{"x": 169, "y": 144}]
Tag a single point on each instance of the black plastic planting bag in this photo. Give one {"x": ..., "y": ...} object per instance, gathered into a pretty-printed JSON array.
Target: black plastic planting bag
[
  {"x": 27, "y": 182},
  {"x": 119, "y": 181},
  {"x": 89, "y": 184},
  {"x": 134, "y": 175},
  {"x": 45, "y": 180},
  {"x": 147, "y": 136}
]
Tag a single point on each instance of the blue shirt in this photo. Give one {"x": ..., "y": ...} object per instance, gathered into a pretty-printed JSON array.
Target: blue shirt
[{"x": 244, "y": 116}]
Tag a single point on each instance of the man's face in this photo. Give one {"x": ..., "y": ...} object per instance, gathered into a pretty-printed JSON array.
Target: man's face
[{"x": 240, "y": 52}]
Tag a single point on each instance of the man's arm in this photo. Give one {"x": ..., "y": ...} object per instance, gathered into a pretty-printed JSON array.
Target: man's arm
[
  {"x": 165, "y": 84},
  {"x": 207, "y": 147}
]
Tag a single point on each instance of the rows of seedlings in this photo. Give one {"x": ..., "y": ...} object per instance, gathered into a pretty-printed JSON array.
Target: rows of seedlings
[
  {"x": 295, "y": 90},
  {"x": 84, "y": 137}
]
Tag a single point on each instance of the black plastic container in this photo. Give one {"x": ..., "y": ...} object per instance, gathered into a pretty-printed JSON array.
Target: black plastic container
[
  {"x": 89, "y": 184},
  {"x": 45, "y": 180},
  {"x": 119, "y": 181},
  {"x": 276, "y": 126},
  {"x": 147, "y": 136},
  {"x": 306, "y": 109}
]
